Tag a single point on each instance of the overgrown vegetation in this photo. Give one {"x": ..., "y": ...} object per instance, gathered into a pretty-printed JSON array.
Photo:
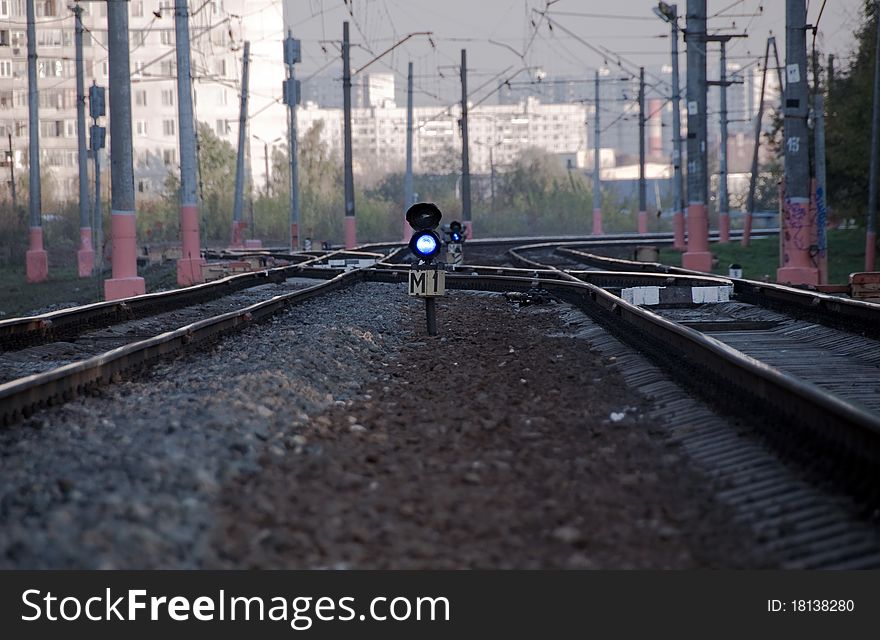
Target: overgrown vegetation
[{"x": 848, "y": 124}]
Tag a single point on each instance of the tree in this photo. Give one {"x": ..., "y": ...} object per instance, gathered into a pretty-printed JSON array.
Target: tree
[{"x": 848, "y": 125}]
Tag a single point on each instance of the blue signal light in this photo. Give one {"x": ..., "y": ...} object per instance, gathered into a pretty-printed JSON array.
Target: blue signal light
[
  {"x": 456, "y": 237},
  {"x": 425, "y": 244}
]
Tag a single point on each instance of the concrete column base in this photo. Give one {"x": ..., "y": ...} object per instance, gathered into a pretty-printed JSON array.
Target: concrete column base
[
  {"x": 118, "y": 288},
  {"x": 467, "y": 226},
  {"x": 678, "y": 231},
  {"x": 85, "y": 262},
  {"x": 597, "y": 222},
  {"x": 870, "y": 249},
  {"x": 189, "y": 272},
  {"x": 350, "y": 232},
  {"x": 294, "y": 236},
  {"x": 238, "y": 230},
  {"x": 85, "y": 257},
  {"x": 36, "y": 259},
  {"x": 747, "y": 231},
  {"x": 407, "y": 231},
  {"x": 697, "y": 260},
  {"x": 643, "y": 222},
  {"x": 797, "y": 275},
  {"x": 723, "y": 228}
]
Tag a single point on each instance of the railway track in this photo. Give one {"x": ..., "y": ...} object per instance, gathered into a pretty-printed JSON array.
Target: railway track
[
  {"x": 806, "y": 363},
  {"x": 758, "y": 360}
]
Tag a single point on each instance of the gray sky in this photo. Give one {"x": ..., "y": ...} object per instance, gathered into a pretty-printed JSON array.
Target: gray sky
[{"x": 627, "y": 28}]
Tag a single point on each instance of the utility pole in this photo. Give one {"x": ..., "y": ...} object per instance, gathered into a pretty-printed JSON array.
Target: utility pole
[
  {"x": 643, "y": 203},
  {"x": 723, "y": 83},
  {"x": 697, "y": 256},
  {"x": 85, "y": 257},
  {"x": 125, "y": 281},
  {"x": 97, "y": 139},
  {"x": 821, "y": 178},
  {"x": 12, "y": 175},
  {"x": 597, "y": 165},
  {"x": 408, "y": 176},
  {"x": 37, "y": 260},
  {"x": 492, "y": 177},
  {"x": 189, "y": 266},
  {"x": 238, "y": 222},
  {"x": 798, "y": 220},
  {"x": 753, "y": 177},
  {"x": 669, "y": 13},
  {"x": 266, "y": 161},
  {"x": 871, "y": 234},
  {"x": 350, "y": 221},
  {"x": 465, "y": 153},
  {"x": 292, "y": 55},
  {"x": 723, "y": 199}
]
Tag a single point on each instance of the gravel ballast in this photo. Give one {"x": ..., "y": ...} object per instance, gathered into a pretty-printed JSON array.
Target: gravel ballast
[{"x": 339, "y": 435}]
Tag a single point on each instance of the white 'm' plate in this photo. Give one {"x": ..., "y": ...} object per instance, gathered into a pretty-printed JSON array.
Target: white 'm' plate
[{"x": 427, "y": 282}]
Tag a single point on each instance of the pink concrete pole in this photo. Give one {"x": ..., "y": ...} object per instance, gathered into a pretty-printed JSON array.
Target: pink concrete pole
[
  {"x": 294, "y": 236},
  {"x": 36, "y": 258},
  {"x": 85, "y": 257},
  {"x": 123, "y": 225},
  {"x": 597, "y": 222},
  {"x": 798, "y": 230},
  {"x": 350, "y": 232},
  {"x": 189, "y": 266},
  {"x": 643, "y": 222},
  {"x": 697, "y": 256},
  {"x": 678, "y": 231},
  {"x": 724, "y": 228}
]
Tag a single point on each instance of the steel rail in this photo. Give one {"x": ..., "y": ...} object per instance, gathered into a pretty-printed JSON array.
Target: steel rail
[
  {"x": 834, "y": 311},
  {"x": 622, "y": 239},
  {"x": 833, "y": 423},
  {"x": 18, "y": 398},
  {"x": 17, "y": 333}
]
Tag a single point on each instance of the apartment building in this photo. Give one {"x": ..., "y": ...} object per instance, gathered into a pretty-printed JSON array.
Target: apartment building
[
  {"x": 218, "y": 29},
  {"x": 498, "y": 133}
]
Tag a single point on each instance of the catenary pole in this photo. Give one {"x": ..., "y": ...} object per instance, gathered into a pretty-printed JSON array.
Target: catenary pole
[
  {"x": 597, "y": 164},
  {"x": 465, "y": 153},
  {"x": 820, "y": 170},
  {"x": 697, "y": 256},
  {"x": 350, "y": 220},
  {"x": 37, "y": 260},
  {"x": 723, "y": 198},
  {"x": 85, "y": 257},
  {"x": 870, "y": 219},
  {"x": 12, "y": 174},
  {"x": 798, "y": 220},
  {"x": 643, "y": 200},
  {"x": 189, "y": 266},
  {"x": 292, "y": 55},
  {"x": 753, "y": 177},
  {"x": 678, "y": 176},
  {"x": 238, "y": 222},
  {"x": 123, "y": 224},
  {"x": 408, "y": 176}
]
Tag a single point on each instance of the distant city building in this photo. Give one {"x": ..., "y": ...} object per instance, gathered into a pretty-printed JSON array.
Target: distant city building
[
  {"x": 216, "y": 58},
  {"x": 498, "y": 134}
]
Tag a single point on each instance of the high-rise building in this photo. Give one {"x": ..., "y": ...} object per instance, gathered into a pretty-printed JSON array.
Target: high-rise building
[{"x": 218, "y": 30}]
